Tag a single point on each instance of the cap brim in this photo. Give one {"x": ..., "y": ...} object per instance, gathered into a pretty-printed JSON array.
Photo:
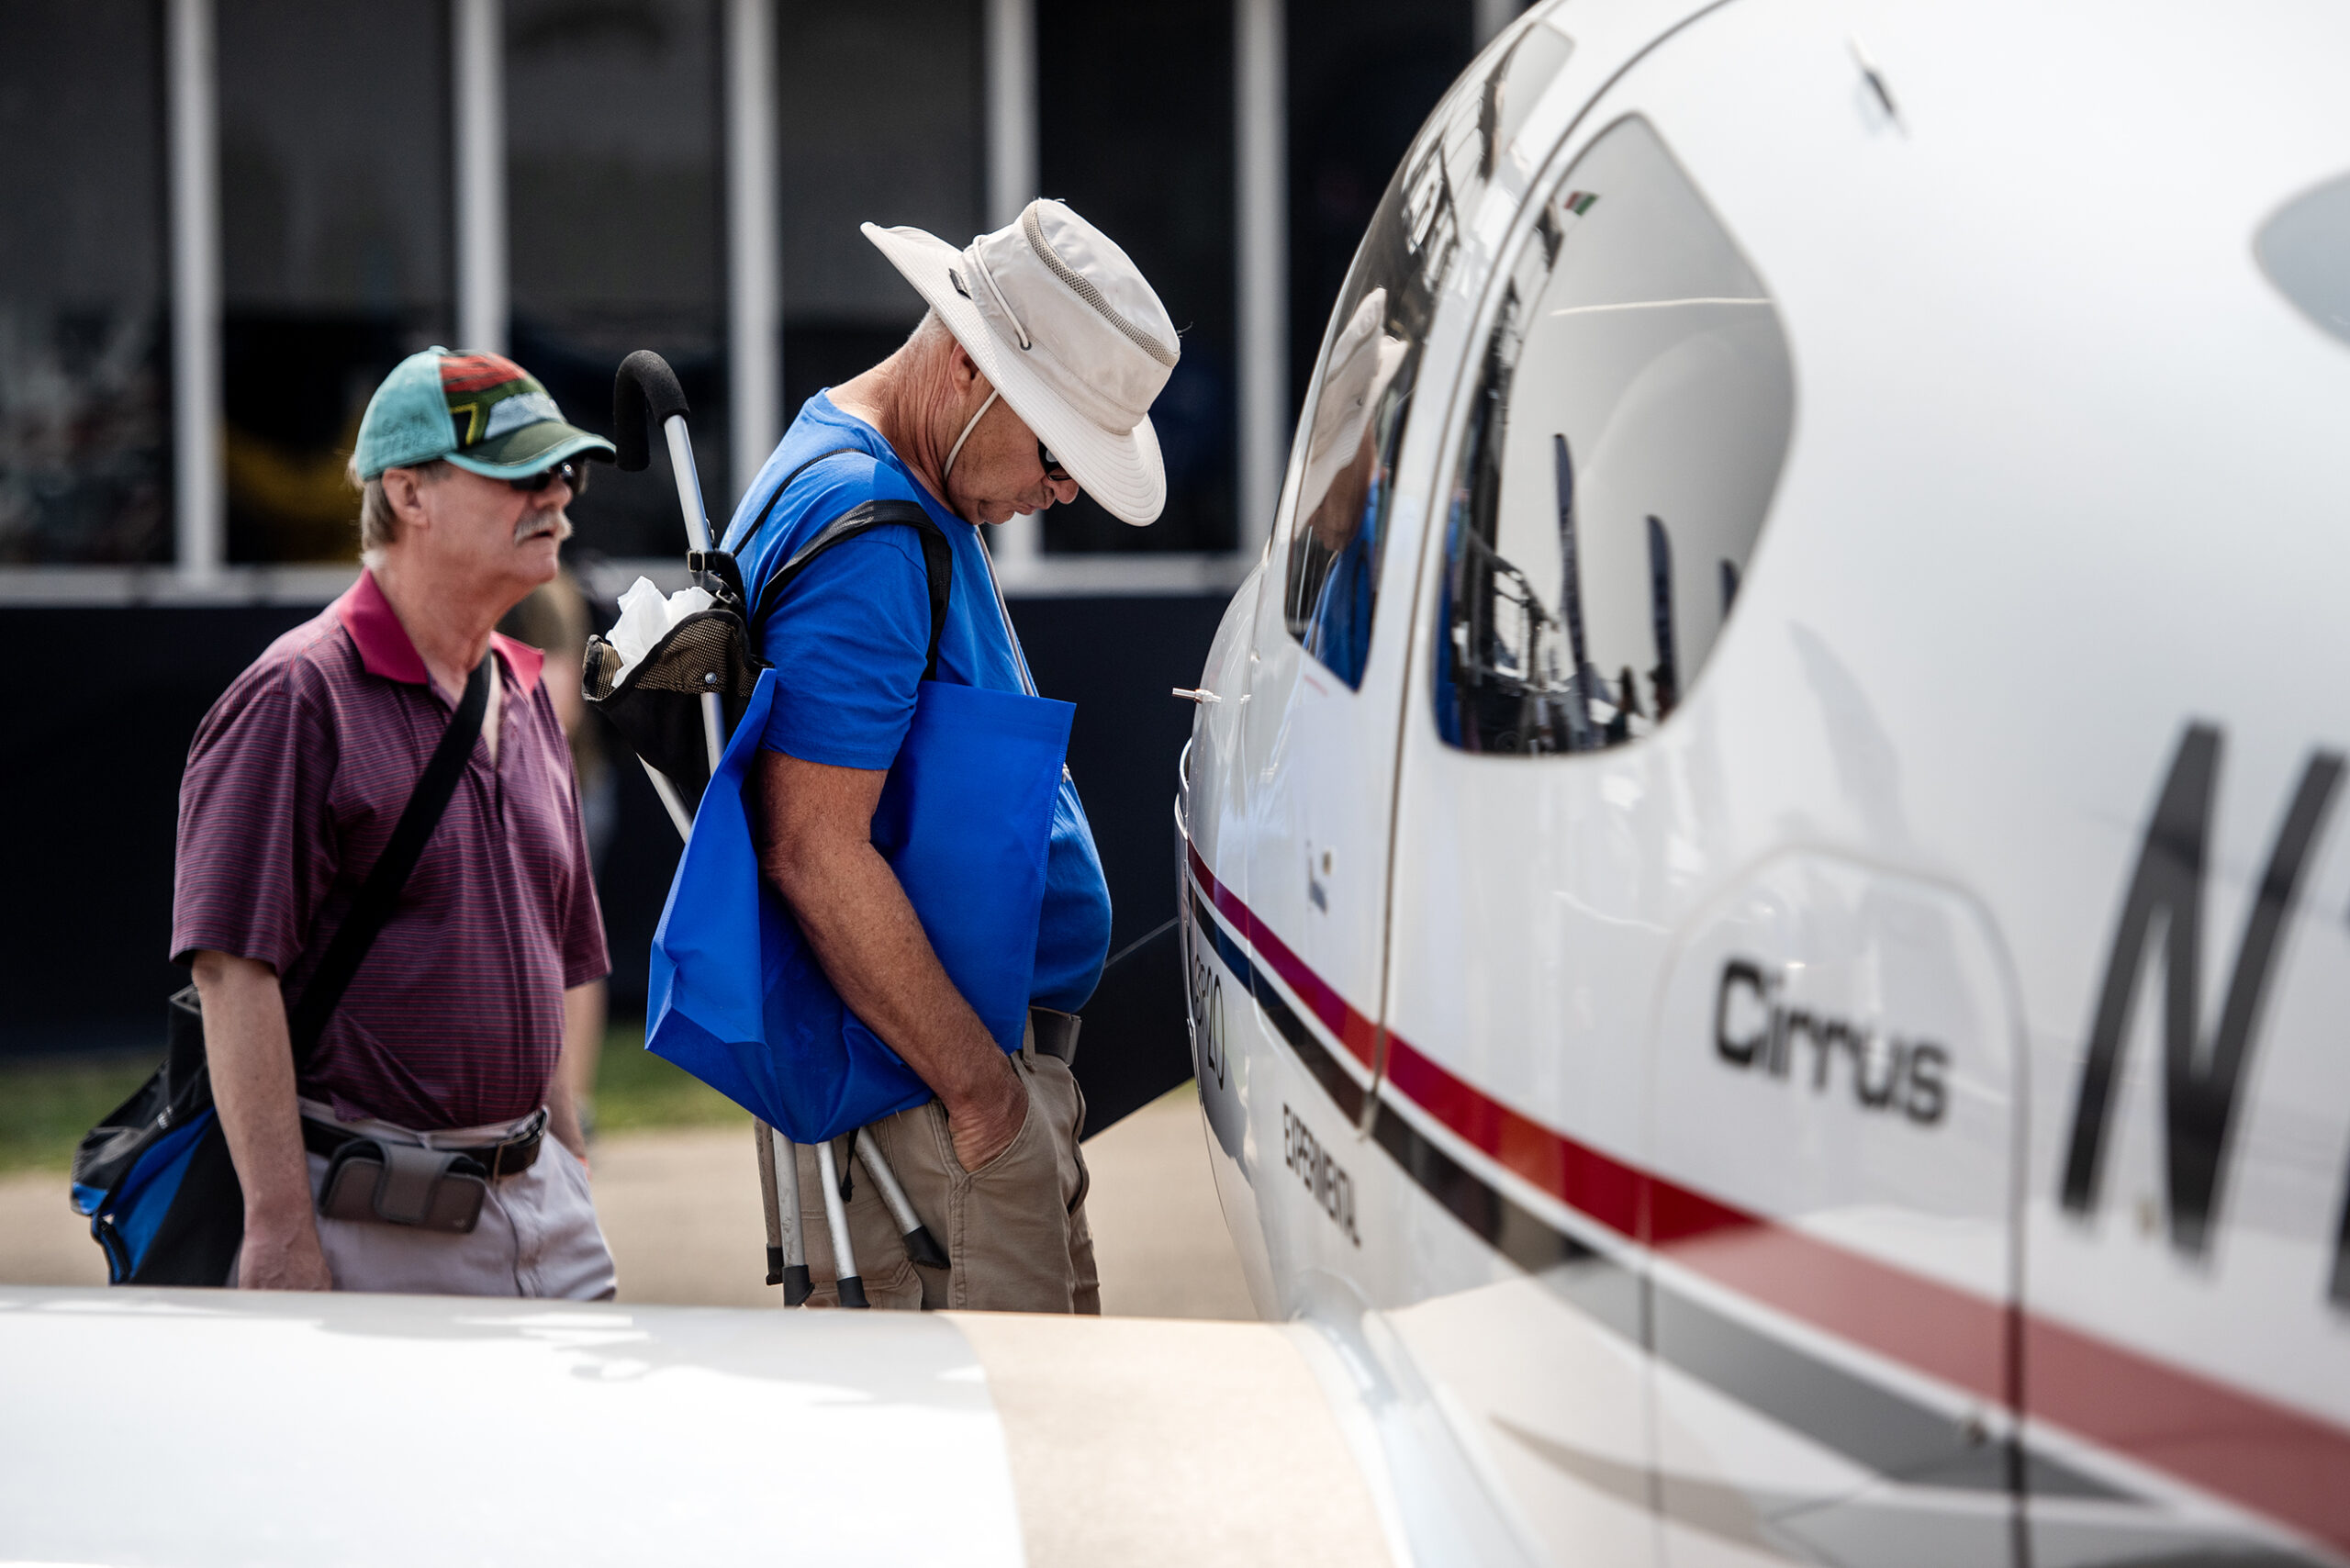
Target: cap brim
[
  {"x": 1123, "y": 472},
  {"x": 533, "y": 449}
]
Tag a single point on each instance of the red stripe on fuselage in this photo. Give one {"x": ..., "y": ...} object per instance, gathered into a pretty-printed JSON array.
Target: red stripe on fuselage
[
  {"x": 1358, "y": 1034},
  {"x": 2290, "y": 1465},
  {"x": 1923, "y": 1324},
  {"x": 2263, "y": 1455}
]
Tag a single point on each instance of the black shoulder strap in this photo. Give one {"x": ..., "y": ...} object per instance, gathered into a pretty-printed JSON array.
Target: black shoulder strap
[
  {"x": 761, "y": 521},
  {"x": 372, "y": 907},
  {"x": 937, "y": 557}
]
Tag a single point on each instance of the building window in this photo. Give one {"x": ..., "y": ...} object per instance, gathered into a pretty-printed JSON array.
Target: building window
[
  {"x": 1630, "y": 415},
  {"x": 334, "y": 258},
  {"x": 920, "y": 162},
  {"x": 616, "y": 238},
  {"x": 1144, "y": 152},
  {"x": 85, "y": 422}
]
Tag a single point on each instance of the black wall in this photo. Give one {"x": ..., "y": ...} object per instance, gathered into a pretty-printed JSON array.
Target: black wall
[{"x": 89, "y": 786}]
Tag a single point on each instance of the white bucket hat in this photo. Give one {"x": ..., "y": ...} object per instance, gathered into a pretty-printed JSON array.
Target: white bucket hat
[
  {"x": 1363, "y": 361},
  {"x": 1066, "y": 329}
]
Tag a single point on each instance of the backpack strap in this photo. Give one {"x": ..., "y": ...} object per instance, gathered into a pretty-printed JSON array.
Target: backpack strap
[
  {"x": 761, "y": 521},
  {"x": 937, "y": 557},
  {"x": 372, "y": 907}
]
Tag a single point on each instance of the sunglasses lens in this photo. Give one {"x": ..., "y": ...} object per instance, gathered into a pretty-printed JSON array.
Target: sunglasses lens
[{"x": 572, "y": 474}]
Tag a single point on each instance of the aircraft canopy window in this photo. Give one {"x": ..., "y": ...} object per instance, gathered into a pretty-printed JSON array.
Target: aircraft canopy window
[
  {"x": 1355, "y": 424},
  {"x": 1629, "y": 419}
]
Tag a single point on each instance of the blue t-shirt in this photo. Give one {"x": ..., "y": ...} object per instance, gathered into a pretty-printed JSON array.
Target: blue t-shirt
[{"x": 853, "y": 632}]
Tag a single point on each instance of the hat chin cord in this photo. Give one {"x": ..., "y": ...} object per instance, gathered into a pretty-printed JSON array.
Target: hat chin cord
[{"x": 957, "y": 449}]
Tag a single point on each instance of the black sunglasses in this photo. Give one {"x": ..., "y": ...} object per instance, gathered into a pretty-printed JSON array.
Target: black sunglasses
[
  {"x": 571, "y": 472},
  {"x": 1053, "y": 469}
]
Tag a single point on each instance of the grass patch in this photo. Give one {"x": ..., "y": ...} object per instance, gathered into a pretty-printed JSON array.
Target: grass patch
[
  {"x": 46, "y": 1105},
  {"x": 636, "y": 1090}
]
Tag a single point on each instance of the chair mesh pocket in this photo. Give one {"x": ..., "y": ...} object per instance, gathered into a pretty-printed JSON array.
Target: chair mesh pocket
[{"x": 656, "y": 706}]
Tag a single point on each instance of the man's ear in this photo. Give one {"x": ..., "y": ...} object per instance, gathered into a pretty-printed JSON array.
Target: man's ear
[
  {"x": 404, "y": 493},
  {"x": 966, "y": 369}
]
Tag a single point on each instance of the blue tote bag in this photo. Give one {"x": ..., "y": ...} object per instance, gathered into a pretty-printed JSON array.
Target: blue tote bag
[{"x": 966, "y": 822}]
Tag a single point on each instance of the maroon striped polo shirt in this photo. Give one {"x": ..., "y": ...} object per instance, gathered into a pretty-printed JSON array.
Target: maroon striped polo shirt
[{"x": 296, "y": 779}]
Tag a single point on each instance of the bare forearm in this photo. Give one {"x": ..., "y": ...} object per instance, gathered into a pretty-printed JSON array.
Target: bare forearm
[
  {"x": 246, "y": 1045},
  {"x": 854, "y": 915},
  {"x": 251, "y": 1058},
  {"x": 816, "y": 851},
  {"x": 583, "y": 1013}
]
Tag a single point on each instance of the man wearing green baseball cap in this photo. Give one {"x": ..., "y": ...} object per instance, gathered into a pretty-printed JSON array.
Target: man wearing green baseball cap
[
  {"x": 478, "y": 412},
  {"x": 402, "y": 1142}
]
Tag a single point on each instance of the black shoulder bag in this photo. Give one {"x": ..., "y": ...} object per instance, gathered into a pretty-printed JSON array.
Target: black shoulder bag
[
  {"x": 154, "y": 1176},
  {"x": 656, "y": 704}
]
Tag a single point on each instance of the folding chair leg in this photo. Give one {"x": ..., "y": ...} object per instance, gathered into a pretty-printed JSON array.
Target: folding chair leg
[
  {"x": 784, "y": 1154},
  {"x": 921, "y": 1245},
  {"x": 763, "y": 1144},
  {"x": 851, "y": 1287},
  {"x": 670, "y": 802}
]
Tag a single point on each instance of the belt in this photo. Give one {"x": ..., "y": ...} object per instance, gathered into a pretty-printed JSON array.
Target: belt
[
  {"x": 508, "y": 1157},
  {"x": 1054, "y": 1033}
]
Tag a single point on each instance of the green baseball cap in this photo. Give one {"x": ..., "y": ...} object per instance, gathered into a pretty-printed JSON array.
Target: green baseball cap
[{"x": 481, "y": 411}]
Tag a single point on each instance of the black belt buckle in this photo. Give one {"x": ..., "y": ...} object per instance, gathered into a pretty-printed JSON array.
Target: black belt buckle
[{"x": 527, "y": 1138}]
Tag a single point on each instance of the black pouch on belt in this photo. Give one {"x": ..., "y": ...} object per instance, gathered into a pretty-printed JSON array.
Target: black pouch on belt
[{"x": 400, "y": 1183}]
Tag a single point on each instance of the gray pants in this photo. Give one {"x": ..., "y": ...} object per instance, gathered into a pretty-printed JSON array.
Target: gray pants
[{"x": 537, "y": 1236}]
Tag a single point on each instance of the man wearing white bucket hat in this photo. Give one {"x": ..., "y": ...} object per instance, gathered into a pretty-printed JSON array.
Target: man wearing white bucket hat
[{"x": 1031, "y": 376}]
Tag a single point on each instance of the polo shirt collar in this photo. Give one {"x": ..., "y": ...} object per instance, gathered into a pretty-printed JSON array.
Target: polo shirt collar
[{"x": 385, "y": 648}]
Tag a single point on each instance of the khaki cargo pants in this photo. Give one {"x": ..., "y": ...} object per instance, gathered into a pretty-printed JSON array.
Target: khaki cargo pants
[{"x": 1014, "y": 1230}]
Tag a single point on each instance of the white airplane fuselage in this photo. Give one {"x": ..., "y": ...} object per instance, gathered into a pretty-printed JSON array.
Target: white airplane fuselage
[
  {"x": 1764, "y": 886},
  {"x": 1765, "y": 894}
]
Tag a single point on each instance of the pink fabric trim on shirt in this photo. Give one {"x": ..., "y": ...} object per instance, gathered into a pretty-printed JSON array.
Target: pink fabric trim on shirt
[
  {"x": 384, "y": 645},
  {"x": 385, "y": 649},
  {"x": 521, "y": 658}
]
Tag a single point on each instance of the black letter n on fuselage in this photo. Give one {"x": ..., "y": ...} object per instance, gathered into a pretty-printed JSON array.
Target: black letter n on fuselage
[{"x": 2199, "y": 1090}]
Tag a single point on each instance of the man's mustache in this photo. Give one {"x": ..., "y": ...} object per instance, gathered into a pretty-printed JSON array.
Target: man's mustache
[{"x": 534, "y": 524}]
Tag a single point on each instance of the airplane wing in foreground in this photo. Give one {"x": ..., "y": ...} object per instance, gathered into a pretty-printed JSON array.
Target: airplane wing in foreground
[{"x": 194, "y": 1427}]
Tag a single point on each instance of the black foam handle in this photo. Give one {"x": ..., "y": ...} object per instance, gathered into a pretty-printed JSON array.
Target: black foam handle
[{"x": 645, "y": 391}]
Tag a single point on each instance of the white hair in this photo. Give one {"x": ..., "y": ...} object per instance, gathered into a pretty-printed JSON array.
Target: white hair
[
  {"x": 378, "y": 524},
  {"x": 930, "y": 332}
]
